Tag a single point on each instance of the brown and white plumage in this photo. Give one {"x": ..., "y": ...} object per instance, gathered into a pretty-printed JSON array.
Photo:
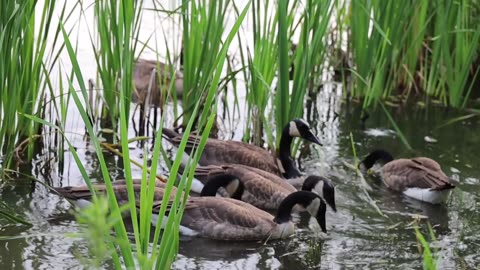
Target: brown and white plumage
[
  {"x": 143, "y": 71},
  {"x": 219, "y": 152},
  {"x": 261, "y": 189},
  {"x": 221, "y": 218},
  {"x": 421, "y": 178},
  {"x": 230, "y": 219}
]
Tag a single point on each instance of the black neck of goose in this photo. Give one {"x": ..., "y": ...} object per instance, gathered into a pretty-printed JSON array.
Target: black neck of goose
[
  {"x": 377, "y": 155},
  {"x": 284, "y": 213},
  {"x": 285, "y": 155}
]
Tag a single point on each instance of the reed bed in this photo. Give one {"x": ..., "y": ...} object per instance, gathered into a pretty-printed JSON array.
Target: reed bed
[
  {"x": 142, "y": 253},
  {"x": 26, "y": 62},
  {"x": 395, "y": 48},
  {"x": 414, "y": 46}
]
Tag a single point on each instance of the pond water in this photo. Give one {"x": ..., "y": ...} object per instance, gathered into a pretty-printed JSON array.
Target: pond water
[{"x": 358, "y": 236}]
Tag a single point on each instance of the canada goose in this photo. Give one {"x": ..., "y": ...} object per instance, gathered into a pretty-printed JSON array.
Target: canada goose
[
  {"x": 222, "y": 218},
  {"x": 257, "y": 190},
  {"x": 322, "y": 187},
  {"x": 209, "y": 215},
  {"x": 219, "y": 152},
  {"x": 420, "y": 178},
  {"x": 260, "y": 188},
  {"x": 142, "y": 76},
  {"x": 81, "y": 196}
]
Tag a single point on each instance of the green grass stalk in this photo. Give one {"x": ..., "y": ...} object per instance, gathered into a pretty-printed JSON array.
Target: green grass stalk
[{"x": 23, "y": 70}]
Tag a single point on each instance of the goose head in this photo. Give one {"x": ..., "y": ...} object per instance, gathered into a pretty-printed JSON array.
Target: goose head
[
  {"x": 300, "y": 128},
  {"x": 310, "y": 201},
  {"x": 231, "y": 183},
  {"x": 321, "y": 186},
  {"x": 373, "y": 157}
]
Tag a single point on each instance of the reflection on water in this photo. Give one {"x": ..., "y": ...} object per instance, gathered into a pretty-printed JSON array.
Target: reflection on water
[{"x": 357, "y": 235}]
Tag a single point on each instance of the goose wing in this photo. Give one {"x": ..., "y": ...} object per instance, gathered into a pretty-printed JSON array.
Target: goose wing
[
  {"x": 405, "y": 173},
  {"x": 218, "y": 152},
  {"x": 226, "y": 219},
  {"x": 268, "y": 176},
  {"x": 262, "y": 189}
]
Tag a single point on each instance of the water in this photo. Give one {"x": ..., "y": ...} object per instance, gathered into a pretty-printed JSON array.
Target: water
[{"x": 358, "y": 236}]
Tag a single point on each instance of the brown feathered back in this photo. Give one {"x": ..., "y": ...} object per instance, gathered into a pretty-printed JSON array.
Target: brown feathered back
[{"x": 420, "y": 172}]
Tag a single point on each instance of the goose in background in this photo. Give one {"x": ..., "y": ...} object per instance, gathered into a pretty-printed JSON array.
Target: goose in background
[
  {"x": 160, "y": 82},
  {"x": 420, "y": 178},
  {"x": 220, "y": 152}
]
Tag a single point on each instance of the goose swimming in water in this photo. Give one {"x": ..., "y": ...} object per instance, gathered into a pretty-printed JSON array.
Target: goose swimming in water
[
  {"x": 420, "y": 178},
  {"x": 222, "y": 218},
  {"x": 220, "y": 152}
]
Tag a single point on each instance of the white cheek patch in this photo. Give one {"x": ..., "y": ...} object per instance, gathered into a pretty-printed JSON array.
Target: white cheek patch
[
  {"x": 293, "y": 130},
  {"x": 318, "y": 189},
  {"x": 232, "y": 186},
  {"x": 313, "y": 207}
]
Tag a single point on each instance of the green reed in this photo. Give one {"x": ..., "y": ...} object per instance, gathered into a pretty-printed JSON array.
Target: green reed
[
  {"x": 455, "y": 39},
  {"x": 274, "y": 55},
  {"x": 262, "y": 67},
  {"x": 162, "y": 252},
  {"x": 203, "y": 28},
  {"x": 24, "y": 70},
  {"x": 117, "y": 26},
  {"x": 429, "y": 259},
  {"x": 414, "y": 46},
  {"x": 309, "y": 55}
]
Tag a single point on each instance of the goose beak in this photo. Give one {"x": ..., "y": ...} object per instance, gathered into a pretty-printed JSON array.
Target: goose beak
[{"x": 311, "y": 137}]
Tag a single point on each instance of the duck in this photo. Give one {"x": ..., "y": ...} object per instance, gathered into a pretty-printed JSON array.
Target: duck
[
  {"x": 420, "y": 178},
  {"x": 220, "y": 152},
  {"x": 222, "y": 218},
  {"x": 260, "y": 188},
  {"x": 143, "y": 71}
]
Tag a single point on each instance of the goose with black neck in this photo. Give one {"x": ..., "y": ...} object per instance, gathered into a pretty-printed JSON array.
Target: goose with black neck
[{"x": 219, "y": 152}]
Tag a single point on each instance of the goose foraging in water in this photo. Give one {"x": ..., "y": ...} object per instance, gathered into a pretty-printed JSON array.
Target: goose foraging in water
[
  {"x": 420, "y": 178},
  {"x": 261, "y": 189},
  {"x": 219, "y": 152},
  {"x": 222, "y": 218}
]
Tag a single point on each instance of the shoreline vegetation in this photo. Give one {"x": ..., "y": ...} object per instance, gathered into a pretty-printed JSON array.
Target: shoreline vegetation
[{"x": 380, "y": 52}]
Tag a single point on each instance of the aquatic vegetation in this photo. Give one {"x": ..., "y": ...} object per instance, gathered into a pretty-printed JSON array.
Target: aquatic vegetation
[
  {"x": 383, "y": 49},
  {"x": 203, "y": 30},
  {"x": 414, "y": 46},
  {"x": 165, "y": 243},
  {"x": 429, "y": 259},
  {"x": 29, "y": 49},
  {"x": 118, "y": 28}
]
